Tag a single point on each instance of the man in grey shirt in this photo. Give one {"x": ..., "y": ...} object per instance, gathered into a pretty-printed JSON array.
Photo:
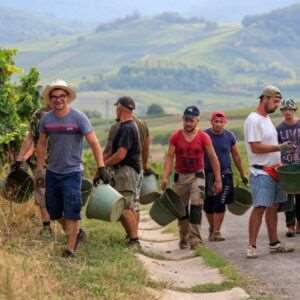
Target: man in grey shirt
[{"x": 61, "y": 134}]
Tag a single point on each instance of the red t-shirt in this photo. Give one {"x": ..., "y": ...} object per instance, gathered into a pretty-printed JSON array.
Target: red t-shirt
[{"x": 189, "y": 155}]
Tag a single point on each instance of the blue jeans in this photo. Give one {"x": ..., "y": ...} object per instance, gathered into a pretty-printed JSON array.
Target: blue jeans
[{"x": 63, "y": 195}]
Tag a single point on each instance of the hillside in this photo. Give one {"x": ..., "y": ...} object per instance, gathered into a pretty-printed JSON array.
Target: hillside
[
  {"x": 176, "y": 60},
  {"x": 17, "y": 26},
  {"x": 102, "y": 11}
]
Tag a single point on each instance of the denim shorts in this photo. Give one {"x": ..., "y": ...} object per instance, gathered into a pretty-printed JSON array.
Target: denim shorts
[
  {"x": 265, "y": 191},
  {"x": 63, "y": 195}
]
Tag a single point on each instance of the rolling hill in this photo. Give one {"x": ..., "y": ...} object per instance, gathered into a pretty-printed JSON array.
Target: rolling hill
[
  {"x": 17, "y": 26},
  {"x": 176, "y": 60}
]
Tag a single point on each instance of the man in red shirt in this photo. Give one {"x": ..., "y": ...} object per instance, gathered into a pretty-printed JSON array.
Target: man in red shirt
[{"x": 188, "y": 146}]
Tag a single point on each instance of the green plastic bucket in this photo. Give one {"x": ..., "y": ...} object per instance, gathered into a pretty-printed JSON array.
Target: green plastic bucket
[
  {"x": 105, "y": 204},
  {"x": 160, "y": 214},
  {"x": 18, "y": 186},
  {"x": 171, "y": 201},
  {"x": 241, "y": 203},
  {"x": 86, "y": 189},
  {"x": 289, "y": 178},
  {"x": 149, "y": 190}
]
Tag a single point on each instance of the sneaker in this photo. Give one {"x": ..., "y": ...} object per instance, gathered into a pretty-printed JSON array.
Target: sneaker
[
  {"x": 280, "y": 248},
  {"x": 290, "y": 234},
  {"x": 67, "y": 253},
  {"x": 251, "y": 252},
  {"x": 81, "y": 237},
  {"x": 217, "y": 237},
  {"x": 183, "y": 245}
]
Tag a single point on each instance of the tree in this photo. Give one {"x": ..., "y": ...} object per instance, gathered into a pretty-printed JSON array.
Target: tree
[
  {"x": 155, "y": 110},
  {"x": 18, "y": 101}
]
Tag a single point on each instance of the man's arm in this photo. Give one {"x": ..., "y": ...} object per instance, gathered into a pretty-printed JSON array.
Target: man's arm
[
  {"x": 168, "y": 166},
  {"x": 259, "y": 148},
  {"x": 41, "y": 151},
  {"x": 117, "y": 157},
  {"x": 27, "y": 148},
  {"x": 215, "y": 165},
  {"x": 237, "y": 159},
  {"x": 96, "y": 148}
]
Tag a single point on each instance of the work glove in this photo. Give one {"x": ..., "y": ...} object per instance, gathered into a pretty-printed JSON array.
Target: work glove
[
  {"x": 149, "y": 172},
  {"x": 245, "y": 180},
  {"x": 287, "y": 146},
  {"x": 40, "y": 179},
  {"x": 15, "y": 166},
  {"x": 103, "y": 175}
]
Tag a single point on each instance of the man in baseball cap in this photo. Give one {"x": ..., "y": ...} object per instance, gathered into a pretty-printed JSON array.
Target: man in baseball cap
[
  {"x": 126, "y": 102},
  {"x": 187, "y": 147},
  {"x": 271, "y": 91}
]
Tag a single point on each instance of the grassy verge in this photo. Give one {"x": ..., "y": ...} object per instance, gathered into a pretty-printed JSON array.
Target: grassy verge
[
  {"x": 104, "y": 268},
  {"x": 232, "y": 277}
]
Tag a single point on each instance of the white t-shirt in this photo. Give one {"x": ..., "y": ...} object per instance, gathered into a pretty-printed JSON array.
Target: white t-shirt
[{"x": 258, "y": 128}]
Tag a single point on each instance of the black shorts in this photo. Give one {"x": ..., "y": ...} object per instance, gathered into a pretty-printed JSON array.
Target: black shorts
[{"x": 217, "y": 203}]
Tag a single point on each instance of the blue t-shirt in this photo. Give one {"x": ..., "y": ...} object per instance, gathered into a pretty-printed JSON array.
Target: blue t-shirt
[
  {"x": 289, "y": 133},
  {"x": 222, "y": 144},
  {"x": 65, "y": 140}
]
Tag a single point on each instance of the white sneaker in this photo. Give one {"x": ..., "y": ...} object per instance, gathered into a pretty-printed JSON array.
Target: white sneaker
[{"x": 251, "y": 252}]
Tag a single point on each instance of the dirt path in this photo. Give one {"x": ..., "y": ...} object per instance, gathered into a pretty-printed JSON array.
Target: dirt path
[{"x": 278, "y": 273}]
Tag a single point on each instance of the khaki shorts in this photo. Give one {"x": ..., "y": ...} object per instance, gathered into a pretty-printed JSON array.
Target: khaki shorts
[
  {"x": 190, "y": 188},
  {"x": 39, "y": 195},
  {"x": 126, "y": 183}
]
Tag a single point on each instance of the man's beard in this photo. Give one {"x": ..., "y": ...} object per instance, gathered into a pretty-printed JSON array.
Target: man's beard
[{"x": 189, "y": 129}]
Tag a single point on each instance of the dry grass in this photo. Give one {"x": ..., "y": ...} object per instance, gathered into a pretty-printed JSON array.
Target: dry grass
[{"x": 32, "y": 267}]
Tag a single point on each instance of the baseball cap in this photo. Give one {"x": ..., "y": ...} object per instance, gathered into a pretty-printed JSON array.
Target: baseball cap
[
  {"x": 288, "y": 103},
  {"x": 271, "y": 91},
  {"x": 191, "y": 111},
  {"x": 127, "y": 102},
  {"x": 218, "y": 114}
]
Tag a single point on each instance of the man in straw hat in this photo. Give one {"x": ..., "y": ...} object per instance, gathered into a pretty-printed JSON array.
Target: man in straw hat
[
  {"x": 27, "y": 153},
  {"x": 63, "y": 129},
  {"x": 188, "y": 146},
  {"x": 264, "y": 157},
  {"x": 125, "y": 160}
]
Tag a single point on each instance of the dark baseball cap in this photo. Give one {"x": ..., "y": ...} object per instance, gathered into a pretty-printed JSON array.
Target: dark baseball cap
[
  {"x": 127, "y": 102},
  {"x": 191, "y": 112}
]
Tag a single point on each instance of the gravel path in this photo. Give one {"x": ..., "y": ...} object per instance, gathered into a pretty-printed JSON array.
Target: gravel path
[{"x": 278, "y": 273}]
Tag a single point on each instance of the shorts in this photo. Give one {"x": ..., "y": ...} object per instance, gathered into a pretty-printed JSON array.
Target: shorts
[
  {"x": 265, "y": 191},
  {"x": 190, "y": 188},
  {"x": 125, "y": 181},
  {"x": 217, "y": 203},
  {"x": 63, "y": 195}
]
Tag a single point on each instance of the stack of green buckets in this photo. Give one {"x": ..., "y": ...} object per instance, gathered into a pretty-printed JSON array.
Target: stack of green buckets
[{"x": 167, "y": 208}]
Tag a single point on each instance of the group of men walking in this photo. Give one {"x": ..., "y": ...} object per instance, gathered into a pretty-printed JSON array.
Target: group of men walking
[{"x": 203, "y": 175}]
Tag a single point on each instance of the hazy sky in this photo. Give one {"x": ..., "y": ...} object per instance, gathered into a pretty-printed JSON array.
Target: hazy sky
[{"x": 105, "y": 10}]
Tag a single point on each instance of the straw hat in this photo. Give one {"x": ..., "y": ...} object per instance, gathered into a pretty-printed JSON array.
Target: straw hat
[{"x": 59, "y": 84}]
